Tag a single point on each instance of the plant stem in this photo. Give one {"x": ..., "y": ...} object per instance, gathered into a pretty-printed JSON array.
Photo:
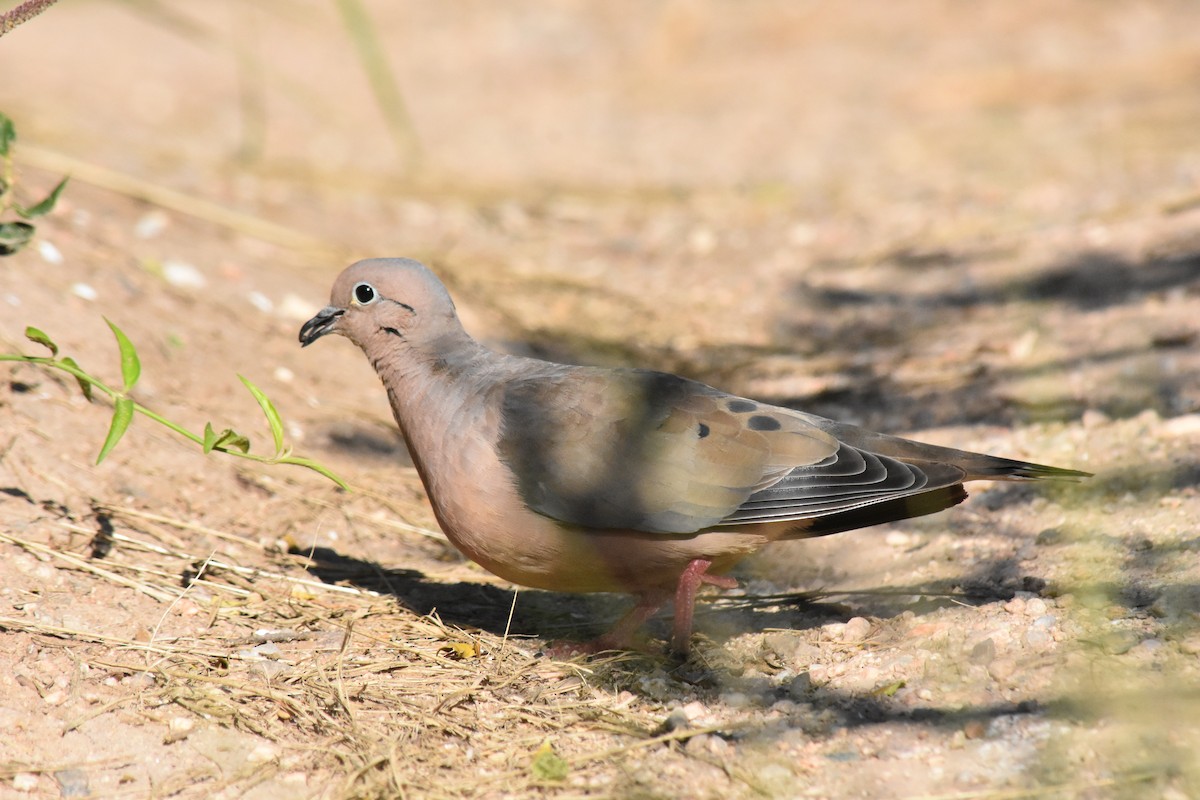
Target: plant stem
[
  {"x": 23, "y": 13},
  {"x": 284, "y": 456}
]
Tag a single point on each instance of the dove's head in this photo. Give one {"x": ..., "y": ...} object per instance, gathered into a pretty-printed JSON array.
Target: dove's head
[{"x": 385, "y": 299}]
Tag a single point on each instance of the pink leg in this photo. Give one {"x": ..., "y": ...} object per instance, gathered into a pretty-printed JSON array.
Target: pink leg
[
  {"x": 693, "y": 577},
  {"x": 621, "y": 635}
]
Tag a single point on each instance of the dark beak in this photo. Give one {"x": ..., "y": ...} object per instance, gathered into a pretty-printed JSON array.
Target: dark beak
[{"x": 324, "y": 322}]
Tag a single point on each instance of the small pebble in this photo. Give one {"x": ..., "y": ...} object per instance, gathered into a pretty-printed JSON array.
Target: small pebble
[
  {"x": 702, "y": 241},
  {"x": 974, "y": 729},
  {"x": 1185, "y": 425},
  {"x": 151, "y": 224},
  {"x": 1037, "y": 638},
  {"x": 183, "y": 275},
  {"x": 296, "y": 308},
  {"x": 857, "y": 629},
  {"x": 25, "y": 781},
  {"x": 983, "y": 653},
  {"x": 1035, "y": 607},
  {"x": 83, "y": 291},
  {"x": 49, "y": 253},
  {"x": 735, "y": 699},
  {"x": 72, "y": 783},
  {"x": 267, "y": 650},
  {"x": 178, "y": 729},
  {"x": 1002, "y": 669},
  {"x": 261, "y": 302},
  {"x": 180, "y": 724},
  {"x": 799, "y": 687},
  {"x": 262, "y": 754}
]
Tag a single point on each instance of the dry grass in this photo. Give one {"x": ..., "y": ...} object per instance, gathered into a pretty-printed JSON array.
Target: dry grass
[{"x": 348, "y": 688}]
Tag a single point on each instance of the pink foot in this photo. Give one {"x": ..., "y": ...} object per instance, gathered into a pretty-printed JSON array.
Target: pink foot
[
  {"x": 621, "y": 635},
  {"x": 694, "y": 576}
]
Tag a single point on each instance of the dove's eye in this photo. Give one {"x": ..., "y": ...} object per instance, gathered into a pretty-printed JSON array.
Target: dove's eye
[{"x": 364, "y": 293}]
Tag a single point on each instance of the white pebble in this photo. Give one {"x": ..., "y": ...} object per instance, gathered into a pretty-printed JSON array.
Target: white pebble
[
  {"x": 267, "y": 649},
  {"x": 12, "y": 299},
  {"x": 25, "y": 781},
  {"x": 83, "y": 291},
  {"x": 261, "y": 302},
  {"x": 262, "y": 754},
  {"x": 857, "y": 629},
  {"x": 284, "y": 375},
  {"x": 181, "y": 724},
  {"x": 1037, "y": 638},
  {"x": 695, "y": 711},
  {"x": 151, "y": 224},
  {"x": 297, "y": 308},
  {"x": 49, "y": 253},
  {"x": 1186, "y": 425},
  {"x": 183, "y": 275},
  {"x": 702, "y": 241}
]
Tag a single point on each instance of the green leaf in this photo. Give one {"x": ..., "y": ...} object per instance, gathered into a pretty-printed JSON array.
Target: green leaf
[
  {"x": 210, "y": 438},
  {"x": 131, "y": 367},
  {"x": 14, "y": 236},
  {"x": 889, "y": 690},
  {"x": 548, "y": 765},
  {"x": 316, "y": 467},
  {"x": 122, "y": 416},
  {"x": 84, "y": 384},
  {"x": 46, "y": 205},
  {"x": 8, "y": 135},
  {"x": 225, "y": 441},
  {"x": 39, "y": 337},
  {"x": 268, "y": 409}
]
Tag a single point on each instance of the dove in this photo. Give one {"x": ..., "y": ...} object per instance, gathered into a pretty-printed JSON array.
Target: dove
[{"x": 589, "y": 479}]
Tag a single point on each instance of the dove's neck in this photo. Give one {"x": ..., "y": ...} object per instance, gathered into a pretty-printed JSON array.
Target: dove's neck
[
  {"x": 428, "y": 382},
  {"x": 439, "y": 396}
]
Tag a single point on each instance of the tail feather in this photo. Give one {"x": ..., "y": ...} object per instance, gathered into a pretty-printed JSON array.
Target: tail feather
[
  {"x": 888, "y": 511},
  {"x": 984, "y": 467},
  {"x": 978, "y": 466}
]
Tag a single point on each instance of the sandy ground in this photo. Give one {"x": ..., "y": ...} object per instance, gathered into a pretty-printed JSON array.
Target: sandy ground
[{"x": 979, "y": 226}]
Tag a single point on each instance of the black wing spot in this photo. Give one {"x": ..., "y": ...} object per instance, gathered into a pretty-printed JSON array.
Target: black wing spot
[
  {"x": 702, "y": 430},
  {"x": 741, "y": 406},
  {"x": 761, "y": 422}
]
